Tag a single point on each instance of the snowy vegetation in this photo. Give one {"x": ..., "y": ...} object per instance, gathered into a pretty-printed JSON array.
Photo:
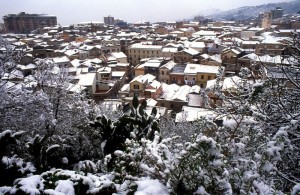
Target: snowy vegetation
[{"x": 53, "y": 142}]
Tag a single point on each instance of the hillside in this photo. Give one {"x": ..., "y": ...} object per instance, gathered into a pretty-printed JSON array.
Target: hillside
[{"x": 249, "y": 12}]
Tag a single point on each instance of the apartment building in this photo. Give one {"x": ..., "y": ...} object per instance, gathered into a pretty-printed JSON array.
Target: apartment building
[
  {"x": 109, "y": 20},
  {"x": 25, "y": 23}
]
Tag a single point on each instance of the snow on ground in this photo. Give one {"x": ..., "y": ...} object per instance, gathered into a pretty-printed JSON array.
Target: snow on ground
[
  {"x": 66, "y": 187},
  {"x": 151, "y": 187}
]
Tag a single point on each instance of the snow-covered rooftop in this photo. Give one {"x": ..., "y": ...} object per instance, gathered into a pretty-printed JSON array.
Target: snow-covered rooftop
[
  {"x": 189, "y": 114},
  {"x": 87, "y": 79},
  {"x": 117, "y": 73},
  {"x": 118, "y": 55},
  {"x": 195, "y": 68},
  {"x": 144, "y": 78},
  {"x": 145, "y": 46}
]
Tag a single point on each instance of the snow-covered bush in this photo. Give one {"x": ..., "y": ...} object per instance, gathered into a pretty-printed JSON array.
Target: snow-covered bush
[{"x": 63, "y": 182}]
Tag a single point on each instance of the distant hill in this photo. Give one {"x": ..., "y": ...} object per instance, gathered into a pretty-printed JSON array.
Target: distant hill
[{"x": 248, "y": 12}]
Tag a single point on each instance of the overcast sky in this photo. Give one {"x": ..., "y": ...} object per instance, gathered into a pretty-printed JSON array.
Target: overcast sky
[{"x": 75, "y": 11}]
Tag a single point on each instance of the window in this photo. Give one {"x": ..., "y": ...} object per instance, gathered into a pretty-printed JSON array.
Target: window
[
  {"x": 208, "y": 78},
  {"x": 136, "y": 87},
  {"x": 202, "y": 76},
  {"x": 162, "y": 72}
]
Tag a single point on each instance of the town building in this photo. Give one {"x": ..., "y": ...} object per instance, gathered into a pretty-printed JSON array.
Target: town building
[
  {"x": 25, "y": 23},
  {"x": 277, "y": 13},
  {"x": 230, "y": 57},
  {"x": 267, "y": 20},
  {"x": 138, "y": 51},
  {"x": 109, "y": 20}
]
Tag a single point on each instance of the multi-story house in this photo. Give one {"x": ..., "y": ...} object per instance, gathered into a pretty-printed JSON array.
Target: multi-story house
[
  {"x": 43, "y": 51},
  {"x": 249, "y": 46},
  {"x": 169, "y": 51},
  {"x": 88, "y": 80},
  {"x": 186, "y": 55},
  {"x": 162, "y": 30},
  {"x": 138, "y": 51},
  {"x": 164, "y": 72},
  {"x": 251, "y": 32},
  {"x": 150, "y": 66},
  {"x": 153, "y": 90},
  {"x": 199, "y": 74},
  {"x": 174, "y": 97},
  {"x": 213, "y": 60},
  {"x": 269, "y": 46},
  {"x": 139, "y": 84},
  {"x": 62, "y": 62},
  {"x": 71, "y": 54},
  {"x": 196, "y": 45},
  {"x": 206, "y": 73},
  {"x": 177, "y": 33},
  {"x": 93, "y": 51},
  {"x": 104, "y": 73},
  {"x": 116, "y": 57},
  {"x": 101, "y": 83},
  {"x": 229, "y": 58},
  {"x": 55, "y": 42},
  {"x": 121, "y": 67},
  {"x": 177, "y": 74}
]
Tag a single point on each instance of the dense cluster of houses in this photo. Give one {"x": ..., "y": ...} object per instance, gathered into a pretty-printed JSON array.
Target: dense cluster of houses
[{"x": 169, "y": 64}]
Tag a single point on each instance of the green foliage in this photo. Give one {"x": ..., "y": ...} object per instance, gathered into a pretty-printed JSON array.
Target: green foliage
[
  {"x": 136, "y": 126},
  {"x": 11, "y": 167},
  {"x": 8, "y": 142},
  {"x": 86, "y": 167},
  {"x": 202, "y": 164},
  {"x": 50, "y": 178},
  {"x": 135, "y": 102}
]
